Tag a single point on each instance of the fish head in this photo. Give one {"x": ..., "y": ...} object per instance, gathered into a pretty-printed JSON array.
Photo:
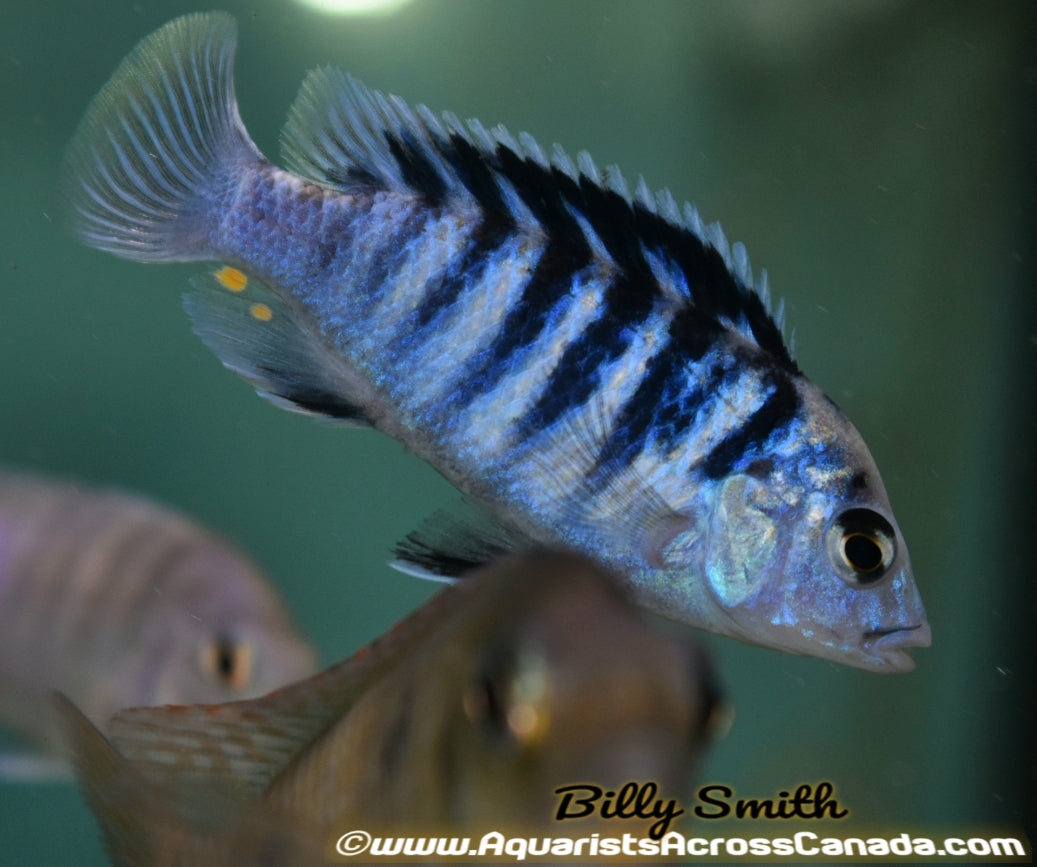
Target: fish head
[
  {"x": 218, "y": 633},
  {"x": 801, "y": 551},
  {"x": 577, "y": 687}
]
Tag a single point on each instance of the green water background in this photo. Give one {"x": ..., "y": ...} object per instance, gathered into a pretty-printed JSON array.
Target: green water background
[{"x": 875, "y": 157}]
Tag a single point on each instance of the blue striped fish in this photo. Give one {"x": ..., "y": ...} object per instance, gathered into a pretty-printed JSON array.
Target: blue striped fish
[{"x": 593, "y": 367}]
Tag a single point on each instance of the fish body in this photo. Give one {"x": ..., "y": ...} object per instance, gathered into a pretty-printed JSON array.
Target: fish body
[
  {"x": 534, "y": 673},
  {"x": 118, "y": 602},
  {"x": 591, "y": 367}
]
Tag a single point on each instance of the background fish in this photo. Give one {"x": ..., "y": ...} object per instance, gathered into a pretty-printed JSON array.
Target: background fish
[
  {"x": 118, "y": 602},
  {"x": 594, "y": 367},
  {"x": 536, "y": 673}
]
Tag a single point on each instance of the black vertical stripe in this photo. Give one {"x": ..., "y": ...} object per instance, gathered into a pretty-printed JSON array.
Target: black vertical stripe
[
  {"x": 443, "y": 291},
  {"x": 566, "y": 253},
  {"x": 527, "y": 318},
  {"x": 474, "y": 171},
  {"x": 780, "y": 407},
  {"x": 625, "y": 230},
  {"x": 417, "y": 169},
  {"x": 664, "y": 405},
  {"x": 575, "y": 377},
  {"x": 626, "y": 304},
  {"x": 716, "y": 292},
  {"x": 496, "y": 226},
  {"x": 541, "y": 190}
]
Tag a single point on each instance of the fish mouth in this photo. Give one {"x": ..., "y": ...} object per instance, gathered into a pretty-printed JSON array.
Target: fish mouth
[{"x": 888, "y": 645}]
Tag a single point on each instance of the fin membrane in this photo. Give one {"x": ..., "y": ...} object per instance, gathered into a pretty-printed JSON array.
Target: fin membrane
[
  {"x": 271, "y": 344},
  {"x": 449, "y": 544},
  {"x": 145, "y": 167}
]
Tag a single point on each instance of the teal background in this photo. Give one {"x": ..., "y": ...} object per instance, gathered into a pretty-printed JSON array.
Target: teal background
[{"x": 875, "y": 157}]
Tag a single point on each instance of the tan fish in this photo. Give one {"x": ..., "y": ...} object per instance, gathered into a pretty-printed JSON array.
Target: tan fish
[
  {"x": 117, "y": 602},
  {"x": 533, "y": 674},
  {"x": 145, "y": 826}
]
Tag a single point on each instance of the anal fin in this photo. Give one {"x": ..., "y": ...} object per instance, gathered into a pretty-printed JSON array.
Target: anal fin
[{"x": 271, "y": 344}]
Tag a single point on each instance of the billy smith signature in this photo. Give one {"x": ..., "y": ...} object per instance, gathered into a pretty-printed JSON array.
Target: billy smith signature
[{"x": 636, "y": 800}]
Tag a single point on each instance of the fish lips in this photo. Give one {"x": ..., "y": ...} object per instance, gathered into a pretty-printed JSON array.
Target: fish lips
[{"x": 886, "y": 647}]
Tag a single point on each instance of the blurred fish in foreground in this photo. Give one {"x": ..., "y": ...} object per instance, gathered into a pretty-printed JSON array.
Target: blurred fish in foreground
[
  {"x": 592, "y": 366},
  {"x": 118, "y": 602},
  {"x": 536, "y": 673}
]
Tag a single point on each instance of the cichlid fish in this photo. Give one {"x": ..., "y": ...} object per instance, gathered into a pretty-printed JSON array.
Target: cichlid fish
[
  {"x": 591, "y": 367},
  {"x": 118, "y": 602},
  {"x": 535, "y": 673}
]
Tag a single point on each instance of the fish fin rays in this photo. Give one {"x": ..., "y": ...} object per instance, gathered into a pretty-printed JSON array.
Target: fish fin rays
[
  {"x": 342, "y": 134},
  {"x": 452, "y": 542},
  {"x": 271, "y": 343},
  {"x": 114, "y": 790},
  {"x": 149, "y": 819},
  {"x": 247, "y": 742},
  {"x": 241, "y": 749},
  {"x": 158, "y": 144}
]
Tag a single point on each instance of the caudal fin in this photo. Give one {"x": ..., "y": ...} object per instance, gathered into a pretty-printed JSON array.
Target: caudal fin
[{"x": 156, "y": 154}]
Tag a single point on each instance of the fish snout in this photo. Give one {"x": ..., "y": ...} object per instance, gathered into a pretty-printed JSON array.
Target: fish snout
[{"x": 889, "y": 645}]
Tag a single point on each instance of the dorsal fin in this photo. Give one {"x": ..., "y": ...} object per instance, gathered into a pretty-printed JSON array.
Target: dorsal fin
[
  {"x": 170, "y": 821},
  {"x": 343, "y": 134},
  {"x": 242, "y": 744}
]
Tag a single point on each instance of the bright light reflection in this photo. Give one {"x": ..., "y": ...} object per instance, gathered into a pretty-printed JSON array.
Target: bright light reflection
[{"x": 353, "y": 7}]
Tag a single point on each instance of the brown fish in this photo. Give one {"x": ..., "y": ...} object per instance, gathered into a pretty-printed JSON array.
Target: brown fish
[
  {"x": 534, "y": 673},
  {"x": 118, "y": 602},
  {"x": 200, "y": 827}
]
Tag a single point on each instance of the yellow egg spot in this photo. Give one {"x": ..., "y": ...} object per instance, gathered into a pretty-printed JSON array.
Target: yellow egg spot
[
  {"x": 261, "y": 312},
  {"x": 232, "y": 278}
]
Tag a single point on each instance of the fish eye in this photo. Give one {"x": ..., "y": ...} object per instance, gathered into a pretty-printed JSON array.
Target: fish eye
[
  {"x": 228, "y": 662},
  {"x": 861, "y": 546}
]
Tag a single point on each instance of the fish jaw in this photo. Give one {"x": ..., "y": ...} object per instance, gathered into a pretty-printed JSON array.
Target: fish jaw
[
  {"x": 885, "y": 654},
  {"x": 887, "y": 647},
  {"x": 883, "y": 651},
  {"x": 869, "y": 629}
]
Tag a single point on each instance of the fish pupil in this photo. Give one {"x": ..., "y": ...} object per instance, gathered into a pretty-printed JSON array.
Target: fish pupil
[
  {"x": 493, "y": 708},
  {"x": 225, "y": 659},
  {"x": 484, "y": 702},
  {"x": 862, "y": 552},
  {"x": 229, "y": 662}
]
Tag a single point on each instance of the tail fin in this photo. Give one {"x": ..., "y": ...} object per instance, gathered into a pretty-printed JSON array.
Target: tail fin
[{"x": 160, "y": 145}]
